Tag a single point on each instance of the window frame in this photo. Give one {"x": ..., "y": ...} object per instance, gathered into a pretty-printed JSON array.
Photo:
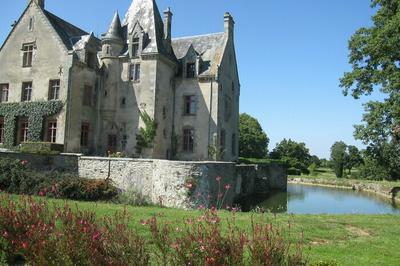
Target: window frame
[
  {"x": 190, "y": 70},
  {"x": 53, "y": 87},
  {"x": 26, "y": 91},
  {"x": 134, "y": 72},
  {"x": 135, "y": 47},
  {"x": 85, "y": 131},
  {"x": 189, "y": 105},
  {"x": 23, "y": 126},
  {"x": 4, "y": 87},
  {"x": 188, "y": 140},
  {"x": 52, "y": 131},
  {"x": 27, "y": 58}
]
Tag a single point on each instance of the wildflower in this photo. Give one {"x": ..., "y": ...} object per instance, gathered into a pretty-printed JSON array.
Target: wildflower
[
  {"x": 24, "y": 162},
  {"x": 218, "y": 178},
  {"x": 189, "y": 185},
  {"x": 189, "y": 221},
  {"x": 198, "y": 195},
  {"x": 96, "y": 236},
  {"x": 5, "y": 234},
  {"x": 220, "y": 195},
  {"x": 143, "y": 222},
  {"x": 41, "y": 193},
  {"x": 227, "y": 186},
  {"x": 24, "y": 245}
]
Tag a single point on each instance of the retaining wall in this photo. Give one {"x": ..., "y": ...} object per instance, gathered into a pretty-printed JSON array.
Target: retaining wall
[{"x": 170, "y": 183}]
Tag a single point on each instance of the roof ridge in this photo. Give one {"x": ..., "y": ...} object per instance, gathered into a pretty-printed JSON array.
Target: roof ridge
[
  {"x": 64, "y": 21},
  {"x": 197, "y": 36}
]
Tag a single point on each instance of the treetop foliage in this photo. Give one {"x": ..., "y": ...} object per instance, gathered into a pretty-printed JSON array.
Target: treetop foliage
[{"x": 253, "y": 142}]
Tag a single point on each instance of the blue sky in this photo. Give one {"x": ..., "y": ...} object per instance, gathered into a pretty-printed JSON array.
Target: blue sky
[{"x": 291, "y": 55}]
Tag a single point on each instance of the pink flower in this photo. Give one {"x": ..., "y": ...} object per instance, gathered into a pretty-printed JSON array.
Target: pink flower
[
  {"x": 143, "y": 222},
  {"x": 202, "y": 207},
  {"x": 96, "y": 236},
  {"x": 5, "y": 234},
  {"x": 24, "y": 245},
  {"x": 198, "y": 195},
  {"x": 189, "y": 185},
  {"x": 220, "y": 195},
  {"x": 227, "y": 186},
  {"x": 218, "y": 178},
  {"x": 41, "y": 194},
  {"x": 24, "y": 162}
]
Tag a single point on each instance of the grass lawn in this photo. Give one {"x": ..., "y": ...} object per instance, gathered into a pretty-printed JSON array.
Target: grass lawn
[{"x": 346, "y": 239}]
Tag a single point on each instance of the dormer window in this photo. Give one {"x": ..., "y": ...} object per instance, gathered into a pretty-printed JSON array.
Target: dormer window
[
  {"x": 190, "y": 70},
  {"x": 135, "y": 47}
]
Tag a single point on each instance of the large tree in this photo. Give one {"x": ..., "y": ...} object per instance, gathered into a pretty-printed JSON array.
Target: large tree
[
  {"x": 253, "y": 142},
  {"x": 296, "y": 154},
  {"x": 339, "y": 157},
  {"x": 354, "y": 158},
  {"x": 375, "y": 60}
]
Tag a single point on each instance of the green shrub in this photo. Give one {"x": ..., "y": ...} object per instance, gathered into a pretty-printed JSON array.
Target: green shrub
[
  {"x": 45, "y": 148},
  {"x": 17, "y": 178},
  {"x": 132, "y": 197},
  {"x": 261, "y": 161},
  {"x": 293, "y": 171}
]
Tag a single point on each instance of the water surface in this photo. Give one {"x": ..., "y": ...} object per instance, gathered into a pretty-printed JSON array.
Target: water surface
[{"x": 303, "y": 199}]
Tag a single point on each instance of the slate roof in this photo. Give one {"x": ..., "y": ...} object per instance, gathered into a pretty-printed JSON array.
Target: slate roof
[
  {"x": 67, "y": 32},
  {"x": 115, "y": 30},
  {"x": 210, "y": 47},
  {"x": 147, "y": 14}
]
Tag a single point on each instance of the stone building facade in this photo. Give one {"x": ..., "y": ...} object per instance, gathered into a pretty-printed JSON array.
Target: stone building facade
[{"x": 189, "y": 87}]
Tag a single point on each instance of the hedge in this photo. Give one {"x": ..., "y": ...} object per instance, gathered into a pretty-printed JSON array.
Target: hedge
[
  {"x": 46, "y": 148},
  {"x": 261, "y": 161}
]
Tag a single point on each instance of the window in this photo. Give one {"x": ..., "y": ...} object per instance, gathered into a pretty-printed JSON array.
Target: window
[
  {"x": 87, "y": 95},
  {"x": 1, "y": 130},
  {"x": 28, "y": 54},
  {"x": 4, "y": 93},
  {"x": 233, "y": 144},
  {"x": 112, "y": 143},
  {"x": 190, "y": 70},
  {"x": 52, "y": 131},
  {"x": 23, "y": 130},
  {"x": 90, "y": 59},
  {"x": 85, "y": 135},
  {"x": 227, "y": 108},
  {"x": 222, "y": 140},
  {"x": 26, "y": 94},
  {"x": 164, "y": 112},
  {"x": 190, "y": 105},
  {"x": 188, "y": 140},
  {"x": 135, "y": 72},
  {"x": 135, "y": 47},
  {"x": 54, "y": 89},
  {"x": 123, "y": 102},
  {"x": 30, "y": 27}
]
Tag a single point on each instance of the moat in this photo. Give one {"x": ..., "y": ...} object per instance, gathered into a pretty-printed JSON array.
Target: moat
[{"x": 303, "y": 199}]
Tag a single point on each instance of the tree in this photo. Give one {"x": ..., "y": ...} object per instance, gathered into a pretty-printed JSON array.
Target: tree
[
  {"x": 296, "y": 154},
  {"x": 375, "y": 60},
  {"x": 338, "y": 157},
  {"x": 353, "y": 158},
  {"x": 253, "y": 142}
]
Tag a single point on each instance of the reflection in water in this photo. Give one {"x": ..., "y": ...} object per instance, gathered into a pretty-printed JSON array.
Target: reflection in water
[{"x": 302, "y": 199}]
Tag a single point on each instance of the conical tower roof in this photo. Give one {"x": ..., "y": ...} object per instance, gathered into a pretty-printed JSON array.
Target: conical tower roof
[
  {"x": 115, "y": 30},
  {"x": 146, "y": 13}
]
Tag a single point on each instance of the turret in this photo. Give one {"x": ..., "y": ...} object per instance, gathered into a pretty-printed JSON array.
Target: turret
[
  {"x": 112, "y": 41},
  {"x": 40, "y": 3}
]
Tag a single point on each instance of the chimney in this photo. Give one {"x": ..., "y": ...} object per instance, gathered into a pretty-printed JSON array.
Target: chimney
[
  {"x": 167, "y": 24},
  {"x": 40, "y": 3},
  {"x": 229, "y": 24}
]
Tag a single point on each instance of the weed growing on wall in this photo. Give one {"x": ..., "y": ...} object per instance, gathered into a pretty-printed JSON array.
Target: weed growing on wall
[
  {"x": 34, "y": 111},
  {"x": 146, "y": 135}
]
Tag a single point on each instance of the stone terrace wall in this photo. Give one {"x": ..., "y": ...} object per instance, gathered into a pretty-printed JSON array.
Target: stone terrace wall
[{"x": 166, "y": 182}]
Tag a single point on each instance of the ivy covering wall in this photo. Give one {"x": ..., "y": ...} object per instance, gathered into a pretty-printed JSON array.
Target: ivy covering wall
[{"x": 36, "y": 112}]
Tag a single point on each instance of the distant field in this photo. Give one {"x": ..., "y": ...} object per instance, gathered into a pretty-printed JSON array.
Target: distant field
[{"x": 347, "y": 239}]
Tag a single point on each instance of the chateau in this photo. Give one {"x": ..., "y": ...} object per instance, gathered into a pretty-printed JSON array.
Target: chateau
[{"x": 61, "y": 84}]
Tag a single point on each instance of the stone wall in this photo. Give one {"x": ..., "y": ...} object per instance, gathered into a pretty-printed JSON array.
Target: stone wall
[{"x": 170, "y": 183}]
